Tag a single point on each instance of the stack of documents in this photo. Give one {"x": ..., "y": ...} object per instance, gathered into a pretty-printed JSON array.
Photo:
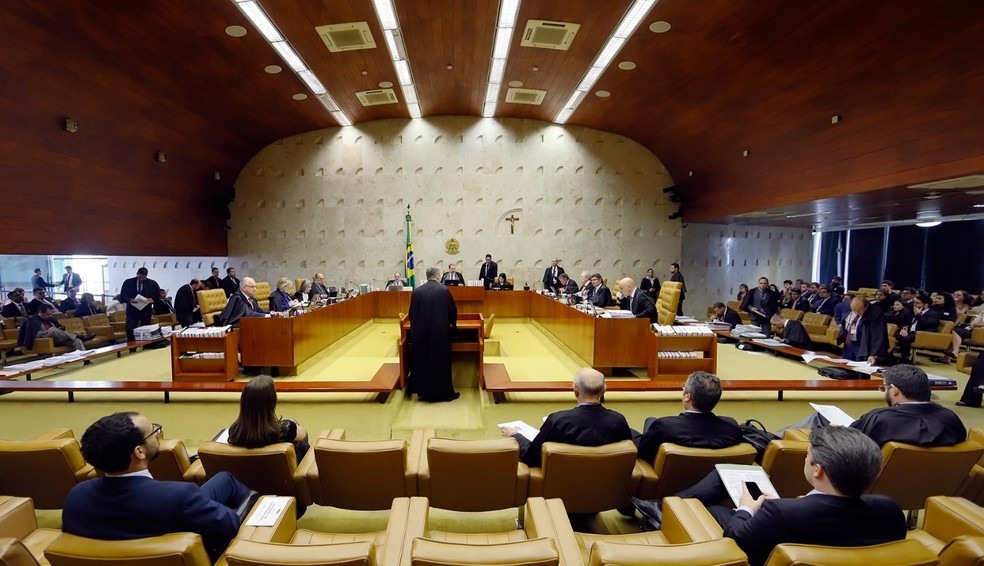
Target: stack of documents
[
  {"x": 690, "y": 330},
  {"x": 620, "y": 313},
  {"x": 677, "y": 355},
  {"x": 148, "y": 332}
]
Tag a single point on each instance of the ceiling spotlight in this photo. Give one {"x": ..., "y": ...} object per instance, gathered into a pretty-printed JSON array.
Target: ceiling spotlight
[
  {"x": 71, "y": 126},
  {"x": 161, "y": 157},
  {"x": 929, "y": 224}
]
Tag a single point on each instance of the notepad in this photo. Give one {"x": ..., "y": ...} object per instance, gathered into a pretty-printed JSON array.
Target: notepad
[{"x": 834, "y": 414}]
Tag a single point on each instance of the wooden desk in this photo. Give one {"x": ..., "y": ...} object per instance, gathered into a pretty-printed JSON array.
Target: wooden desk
[{"x": 469, "y": 337}]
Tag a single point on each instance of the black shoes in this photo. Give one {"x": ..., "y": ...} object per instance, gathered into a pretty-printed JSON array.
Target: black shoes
[
  {"x": 453, "y": 397},
  {"x": 247, "y": 504},
  {"x": 87, "y": 337},
  {"x": 87, "y": 363},
  {"x": 962, "y": 404},
  {"x": 650, "y": 510}
]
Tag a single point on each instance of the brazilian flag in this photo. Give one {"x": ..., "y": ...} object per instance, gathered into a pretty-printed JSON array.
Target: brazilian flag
[{"x": 409, "y": 262}]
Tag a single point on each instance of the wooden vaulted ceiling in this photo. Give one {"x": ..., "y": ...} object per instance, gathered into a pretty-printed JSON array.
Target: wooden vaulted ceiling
[{"x": 762, "y": 76}]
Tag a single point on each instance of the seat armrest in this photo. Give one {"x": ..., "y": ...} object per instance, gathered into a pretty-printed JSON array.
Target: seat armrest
[
  {"x": 949, "y": 517},
  {"x": 536, "y": 482},
  {"x": 331, "y": 433},
  {"x": 801, "y": 434},
  {"x": 963, "y": 550},
  {"x": 567, "y": 545},
  {"x": 648, "y": 479},
  {"x": 17, "y": 518},
  {"x": 417, "y": 470},
  {"x": 86, "y": 472},
  {"x": 687, "y": 520},
  {"x": 195, "y": 473},
  {"x": 300, "y": 481},
  {"x": 721, "y": 551},
  {"x": 282, "y": 530},
  {"x": 54, "y": 434},
  {"x": 43, "y": 346},
  {"x": 307, "y": 471},
  {"x": 522, "y": 483},
  {"x": 397, "y": 531},
  {"x": 418, "y": 510}
]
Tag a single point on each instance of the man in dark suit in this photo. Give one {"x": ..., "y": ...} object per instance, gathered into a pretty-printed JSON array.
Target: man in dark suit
[
  {"x": 760, "y": 305},
  {"x": 697, "y": 426},
  {"x": 864, "y": 333},
  {"x": 70, "y": 279},
  {"x": 601, "y": 296},
  {"x": 841, "y": 463},
  {"x": 650, "y": 284},
  {"x": 588, "y": 424},
  {"x": 42, "y": 325},
  {"x": 147, "y": 288},
  {"x": 87, "y": 306},
  {"x": 37, "y": 280},
  {"x": 567, "y": 286},
  {"x": 127, "y": 503},
  {"x": 797, "y": 301},
  {"x": 230, "y": 283},
  {"x": 676, "y": 276},
  {"x": 16, "y": 307},
  {"x": 923, "y": 318},
  {"x": 843, "y": 308},
  {"x": 551, "y": 275},
  {"x": 319, "y": 287},
  {"x": 636, "y": 300},
  {"x": 888, "y": 287},
  {"x": 40, "y": 298},
  {"x": 452, "y": 277},
  {"x": 433, "y": 315},
  {"x": 825, "y": 303},
  {"x": 722, "y": 313},
  {"x": 162, "y": 305},
  {"x": 186, "y": 303},
  {"x": 792, "y": 332},
  {"x": 488, "y": 272},
  {"x": 214, "y": 282},
  {"x": 71, "y": 302},
  {"x": 241, "y": 304}
]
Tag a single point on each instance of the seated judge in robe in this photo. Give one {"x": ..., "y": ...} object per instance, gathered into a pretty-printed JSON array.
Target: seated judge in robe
[
  {"x": 501, "y": 283},
  {"x": 241, "y": 304},
  {"x": 396, "y": 282},
  {"x": 282, "y": 300},
  {"x": 567, "y": 286},
  {"x": 452, "y": 277},
  {"x": 601, "y": 296},
  {"x": 304, "y": 292}
]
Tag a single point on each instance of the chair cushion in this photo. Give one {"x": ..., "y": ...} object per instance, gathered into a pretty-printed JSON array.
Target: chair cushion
[
  {"x": 721, "y": 552},
  {"x": 586, "y": 541},
  {"x": 963, "y": 551},
  {"x": 898, "y": 553},
  {"x": 184, "y": 549},
  {"x": 249, "y": 553},
  {"x": 536, "y": 552}
]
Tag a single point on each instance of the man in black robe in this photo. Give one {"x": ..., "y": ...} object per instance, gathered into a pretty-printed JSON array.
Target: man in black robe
[
  {"x": 432, "y": 316},
  {"x": 242, "y": 303},
  {"x": 186, "y": 303}
]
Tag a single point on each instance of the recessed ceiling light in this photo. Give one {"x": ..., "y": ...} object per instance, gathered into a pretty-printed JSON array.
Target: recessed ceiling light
[
  {"x": 300, "y": 96},
  {"x": 603, "y": 94},
  {"x": 626, "y": 65},
  {"x": 979, "y": 206},
  {"x": 273, "y": 69},
  {"x": 235, "y": 31},
  {"x": 977, "y": 192},
  {"x": 929, "y": 224},
  {"x": 515, "y": 84},
  {"x": 659, "y": 27},
  {"x": 932, "y": 197},
  {"x": 385, "y": 84}
]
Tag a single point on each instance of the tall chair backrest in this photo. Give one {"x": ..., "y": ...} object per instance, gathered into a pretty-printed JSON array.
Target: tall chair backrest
[
  {"x": 172, "y": 462},
  {"x": 263, "y": 292},
  {"x": 44, "y": 470},
  {"x": 211, "y": 302},
  {"x": 363, "y": 475},
  {"x": 473, "y": 475},
  {"x": 270, "y": 470},
  {"x": 898, "y": 553},
  {"x": 678, "y": 467},
  {"x": 910, "y": 473},
  {"x": 566, "y": 468},
  {"x": 14, "y": 553},
  {"x": 175, "y": 549},
  {"x": 783, "y": 461}
]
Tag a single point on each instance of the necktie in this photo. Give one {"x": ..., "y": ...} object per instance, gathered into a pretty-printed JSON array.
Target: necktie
[{"x": 139, "y": 288}]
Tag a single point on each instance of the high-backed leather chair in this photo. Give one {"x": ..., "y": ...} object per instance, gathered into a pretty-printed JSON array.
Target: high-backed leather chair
[
  {"x": 791, "y": 314},
  {"x": 489, "y": 323},
  {"x": 910, "y": 473},
  {"x": 783, "y": 461},
  {"x": 45, "y": 468},
  {"x": 19, "y": 522},
  {"x": 283, "y": 543},
  {"x": 972, "y": 487},
  {"x": 965, "y": 361},
  {"x": 270, "y": 470},
  {"x": 211, "y": 302},
  {"x": 947, "y": 519},
  {"x": 364, "y": 475},
  {"x": 472, "y": 475},
  {"x": 174, "y": 549},
  {"x": 678, "y": 467},
  {"x": 263, "y": 292},
  {"x": 898, "y": 553},
  {"x": 934, "y": 343},
  {"x": 612, "y": 469},
  {"x": 173, "y": 464}
]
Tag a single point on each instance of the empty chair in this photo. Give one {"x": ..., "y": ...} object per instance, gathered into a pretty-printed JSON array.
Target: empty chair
[
  {"x": 270, "y": 470},
  {"x": 933, "y": 343},
  {"x": 612, "y": 469},
  {"x": 678, "y": 467},
  {"x": 783, "y": 461},
  {"x": 910, "y": 473},
  {"x": 175, "y": 549},
  {"x": 897, "y": 553},
  {"x": 18, "y": 522},
  {"x": 952, "y": 527},
  {"x": 14, "y": 553},
  {"x": 210, "y": 303},
  {"x": 45, "y": 468}
]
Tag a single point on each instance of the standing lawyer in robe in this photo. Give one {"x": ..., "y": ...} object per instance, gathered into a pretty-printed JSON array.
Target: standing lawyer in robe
[
  {"x": 432, "y": 316},
  {"x": 650, "y": 284},
  {"x": 186, "y": 303},
  {"x": 139, "y": 285},
  {"x": 551, "y": 275},
  {"x": 488, "y": 272}
]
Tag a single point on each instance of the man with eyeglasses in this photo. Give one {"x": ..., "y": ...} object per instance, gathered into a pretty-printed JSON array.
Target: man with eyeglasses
[
  {"x": 242, "y": 303},
  {"x": 128, "y": 503}
]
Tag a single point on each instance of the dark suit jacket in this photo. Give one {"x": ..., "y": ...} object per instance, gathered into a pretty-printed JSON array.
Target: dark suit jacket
[
  {"x": 213, "y": 282},
  {"x": 238, "y": 307},
  {"x": 650, "y": 287},
  {"x": 696, "y": 430},
  {"x": 230, "y": 285},
  {"x": 317, "y": 289},
  {"x": 731, "y": 317},
  {"x": 872, "y": 334},
  {"x": 816, "y": 519},
  {"x": 678, "y": 277},
  {"x": 548, "y": 279},
  {"x": 450, "y": 278},
  {"x": 84, "y": 309},
  {"x": 28, "y": 331},
  {"x": 34, "y": 304},
  {"x": 770, "y": 305},
  {"x": 128, "y": 291},
  {"x": 584, "y": 425},
  {"x": 571, "y": 287},
  {"x": 802, "y": 305},
  {"x": 10, "y": 310},
  {"x": 137, "y": 507},
  {"x": 185, "y": 301},
  {"x": 68, "y": 304},
  {"x": 642, "y": 305},
  {"x": 74, "y": 281},
  {"x": 488, "y": 272},
  {"x": 826, "y": 306},
  {"x": 794, "y": 334},
  {"x": 923, "y": 424},
  {"x": 928, "y": 320},
  {"x": 601, "y": 296}
]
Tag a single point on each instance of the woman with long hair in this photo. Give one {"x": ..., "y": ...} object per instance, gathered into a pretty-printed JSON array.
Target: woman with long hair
[
  {"x": 258, "y": 424},
  {"x": 305, "y": 290},
  {"x": 943, "y": 304},
  {"x": 742, "y": 291},
  {"x": 963, "y": 302}
]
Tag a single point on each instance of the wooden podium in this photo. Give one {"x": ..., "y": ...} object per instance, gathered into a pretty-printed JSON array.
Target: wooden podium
[{"x": 469, "y": 336}]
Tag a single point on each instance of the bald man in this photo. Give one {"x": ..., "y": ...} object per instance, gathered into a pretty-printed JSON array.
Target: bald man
[
  {"x": 588, "y": 424},
  {"x": 864, "y": 333},
  {"x": 636, "y": 300}
]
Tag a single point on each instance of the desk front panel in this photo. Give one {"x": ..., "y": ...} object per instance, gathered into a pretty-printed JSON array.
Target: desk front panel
[{"x": 570, "y": 326}]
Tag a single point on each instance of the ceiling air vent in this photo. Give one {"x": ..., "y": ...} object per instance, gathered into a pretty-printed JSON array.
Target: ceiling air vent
[
  {"x": 346, "y": 37},
  {"x": 549, "y": 35},
  {"x": 377, "y": 97},
  {"x": 525, "y": 96},
  {"x": 968, "y": 182}
]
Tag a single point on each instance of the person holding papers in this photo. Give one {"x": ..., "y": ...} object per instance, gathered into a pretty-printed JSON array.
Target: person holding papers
[
  {"x": 841, "y": 463},
  {"x": 723, "y": 313},
  {"x": 137, "y": 293},
  {"x": 588, "y": 424},
  {"x": 760, "y": 305},
  {"x": 636, "y": 300},
  {"x": 42, "y": 325},
  {"x": 792, "y": 332},
  {"x": 864, "y": 333}
]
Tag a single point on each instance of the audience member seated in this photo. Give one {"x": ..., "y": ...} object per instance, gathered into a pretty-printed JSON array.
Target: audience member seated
[
  {"x": 87, "y": 306},
  {"x": 974, "y": 318},
  {"x": 230, "y": 284},
  {"x": 16, "y": 306},
  {"x": 241, "y": 303},
  {"x": 899, "y": 314},
  {"x": 127, "y": 503},
  {"x": 601, "y": 296},
  {"x": 567, "y": 286},
  {"x": 40, "y": 298},
  {"x": 186, "y": 307},
  {"x": 71, "y": 302},
  {"x": 760, "y": 305},
  {"x": 786, "y": 301},
  {"x": 696, "y": 427},
  {"x": 882, "y": 301},
  {"x": 923, "y": 318},
  {"x": 972, "y": 392},
  {"x": 588, "y": 424},
  {"x": 116, "y": 305},
  {"x": 742, "y": 291},
  {"x": 396, "y": 282},
  {"x": 812, "y": 292},
  {"x": 908, "y": 295},
  {"x": 650, "y": 284},
  {"x": 162, "y": 305},
  {"x": 843, "y": 308},
  {"x": 452, "y": 277},
  {"x": 636, "y": 300},
  {"x": 979, "y": 300},
  {"x": 258, "y": 424},
  {"x": 864, "y": 333},
  {"x": 282, "y": 299},
  {"x": 836, "y": 286},
  {"x": 723, "y": 313},
  {"x": 792, "y": 332},
  {"x": 825, "y": 302},
  {"x": 502, "y": 283},
  {"x": 304, "y": 293},
  {"x": 42, "y": 325},
  {"x": 944, "y": 305},
  {"x": 840, "y": 464}
]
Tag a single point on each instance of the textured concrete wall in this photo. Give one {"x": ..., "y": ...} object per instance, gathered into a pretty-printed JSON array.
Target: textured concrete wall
[
  {"x": 717, "y": 258},
  {"x": 334, "y": 201}
]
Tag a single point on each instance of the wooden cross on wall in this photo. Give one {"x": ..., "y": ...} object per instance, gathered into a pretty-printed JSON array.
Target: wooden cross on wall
[{"x": 512, "y": 219}]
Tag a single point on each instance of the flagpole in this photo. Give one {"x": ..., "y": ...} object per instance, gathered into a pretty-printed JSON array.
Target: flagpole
[{"x": 408, "y": 259}]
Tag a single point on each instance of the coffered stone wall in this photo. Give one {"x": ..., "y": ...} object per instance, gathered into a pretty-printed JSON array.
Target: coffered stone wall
[{"x": 334, "y": 201}]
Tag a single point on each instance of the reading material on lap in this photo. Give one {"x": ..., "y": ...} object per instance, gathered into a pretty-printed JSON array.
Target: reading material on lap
[{"x": 734, "y": 475}]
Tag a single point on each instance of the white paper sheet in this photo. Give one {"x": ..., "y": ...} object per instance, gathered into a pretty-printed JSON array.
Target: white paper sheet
[
  {"x": 267, "y": 511},
  {"x": 524, "y": 429},
  {"x": 140, "y": 302},
  {"x": 834, "y": 414},
  {"x": 734, "y": 475}
]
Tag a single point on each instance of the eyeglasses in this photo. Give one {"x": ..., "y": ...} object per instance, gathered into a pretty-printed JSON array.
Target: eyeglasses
[
  {"x": 155, "y": 430},
  {"x": 884, "y": 387}
]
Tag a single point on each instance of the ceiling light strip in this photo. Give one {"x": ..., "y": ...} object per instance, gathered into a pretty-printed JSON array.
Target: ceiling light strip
[
  {"x": 625, "y": 28},
  {"x": 386, "y": 14},
  {"x": 257, "y": 16},
  {"x": 508, "y": 11}
]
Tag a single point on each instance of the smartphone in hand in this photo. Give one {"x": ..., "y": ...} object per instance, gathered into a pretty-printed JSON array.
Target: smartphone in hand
[{"x": 753, "y": 489}]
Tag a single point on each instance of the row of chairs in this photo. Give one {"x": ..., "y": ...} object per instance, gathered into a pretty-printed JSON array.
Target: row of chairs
[
  {"x": 105, "y": 329},
  {"x": 952, "y": 534}
]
